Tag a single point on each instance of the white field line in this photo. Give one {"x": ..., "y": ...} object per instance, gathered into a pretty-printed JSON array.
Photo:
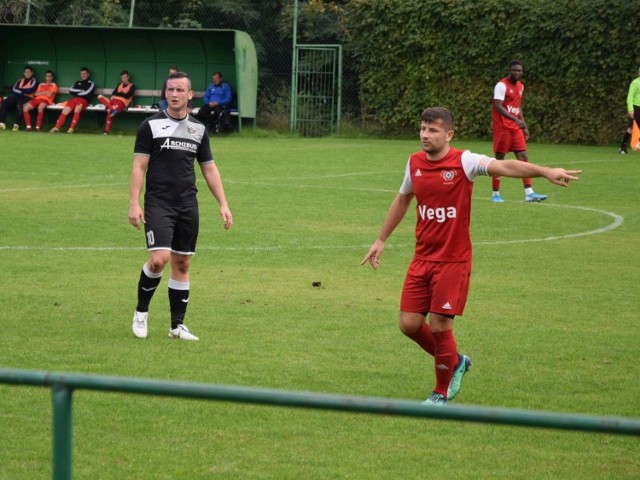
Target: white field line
[{"x": 617, "y": 220}]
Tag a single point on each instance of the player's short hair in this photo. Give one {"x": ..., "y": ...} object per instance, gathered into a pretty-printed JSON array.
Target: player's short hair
[
  {"x": 432, "y": 114},
  {"x": 84, "y": 69},
  {"x": 515, "y": 61},
  {"x": 124, "y": 72},
  {"x": 28, "y": 67},
  {"x": 178, "y": 75},
  {"x": 217, "y": 73},
  {"x": 51, "y": 72}
]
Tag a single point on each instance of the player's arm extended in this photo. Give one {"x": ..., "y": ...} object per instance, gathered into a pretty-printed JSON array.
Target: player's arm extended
[
  {"x": 136, "y": 214},
  {"x": 214, "y": 182},
  {"x": 396, "y": 213},
  {"x": 518, "y": 169}
]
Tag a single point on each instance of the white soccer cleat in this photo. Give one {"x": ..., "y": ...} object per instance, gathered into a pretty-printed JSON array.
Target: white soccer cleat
[
  {"x": 139, "y": 326},
  {"x": 182, "y": 333}
]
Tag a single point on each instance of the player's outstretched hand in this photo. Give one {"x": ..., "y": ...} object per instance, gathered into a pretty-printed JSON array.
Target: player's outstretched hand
[
  {"x": 373, "y": 255},
  {"x": 561, "y": 177},
  {"x": 136, "y": 216},
  {"x": 227, "y": 217}
]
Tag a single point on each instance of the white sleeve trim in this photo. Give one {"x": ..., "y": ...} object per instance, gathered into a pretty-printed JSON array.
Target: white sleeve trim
[
  {"x": 475, "y": 164},
  {"x": 407, "y": 185},
  {"x": 500, "y": 92}
]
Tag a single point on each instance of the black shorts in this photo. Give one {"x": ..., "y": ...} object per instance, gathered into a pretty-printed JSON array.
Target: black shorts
[{"x": 172, "y": 228}]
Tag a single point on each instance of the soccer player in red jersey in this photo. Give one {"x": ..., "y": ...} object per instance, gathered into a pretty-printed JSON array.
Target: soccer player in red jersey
[
  {"x": 44, "y": 96},
  {"x": 120, "y": 99},
  {"x": 510, "y": 132},
  {"x": 441, "y": 179}
]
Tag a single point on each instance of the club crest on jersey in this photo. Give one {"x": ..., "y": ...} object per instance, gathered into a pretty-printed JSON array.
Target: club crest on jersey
[
  {"x": 448, "y": 175},
  {"x": 192, "y": 131}
]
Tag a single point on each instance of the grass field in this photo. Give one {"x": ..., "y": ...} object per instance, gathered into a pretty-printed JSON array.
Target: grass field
[{"x": 551, "y": 322}]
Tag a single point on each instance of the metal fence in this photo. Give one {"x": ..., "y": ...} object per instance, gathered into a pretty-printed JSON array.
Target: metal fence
[
  {"x": 268, "y": 22},
  {"x": 63, "y": 384}
]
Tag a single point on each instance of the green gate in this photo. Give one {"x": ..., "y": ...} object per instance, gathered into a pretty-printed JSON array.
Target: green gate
[{"x": 316, "y": 100}]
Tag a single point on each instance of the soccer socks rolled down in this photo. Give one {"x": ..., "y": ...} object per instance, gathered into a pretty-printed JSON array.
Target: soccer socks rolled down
[
  {"x": 495, "y": 184},
  {"x": 446, "y": 358},
  {"x": 424, "y": 338},
  {"x": 178, "y": 301},
  {"x": 147, "y": 287}
]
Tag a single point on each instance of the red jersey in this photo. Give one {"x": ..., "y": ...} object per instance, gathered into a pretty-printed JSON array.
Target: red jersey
[
  {"x": 511, "y": 96},
  {"x": 443, "y": 194}
]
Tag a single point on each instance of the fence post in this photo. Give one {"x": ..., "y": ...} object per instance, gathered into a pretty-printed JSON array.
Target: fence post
[{"x": 62, "y": 423}]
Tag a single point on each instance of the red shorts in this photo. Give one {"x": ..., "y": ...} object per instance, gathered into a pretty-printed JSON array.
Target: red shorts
[
  {"x": 505, "y": 141},
  {"x": 75, "y": 101},
  {"x": 436, "y": 287},
  {"x": 38, "y": 101},
  {"x": 115, "y": 104}
]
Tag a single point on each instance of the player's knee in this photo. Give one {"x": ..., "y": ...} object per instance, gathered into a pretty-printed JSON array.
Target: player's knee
[{"x": 410, "y": 324}]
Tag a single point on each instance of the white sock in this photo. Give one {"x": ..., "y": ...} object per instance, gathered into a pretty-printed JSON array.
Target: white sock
[{"x": 528, "y": 191}]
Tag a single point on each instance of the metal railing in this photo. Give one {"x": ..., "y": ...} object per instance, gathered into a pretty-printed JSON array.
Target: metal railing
[{"x": 63, "y": 384}]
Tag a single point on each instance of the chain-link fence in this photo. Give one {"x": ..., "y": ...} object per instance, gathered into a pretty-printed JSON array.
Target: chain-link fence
[{"x": 269, "y": 22}]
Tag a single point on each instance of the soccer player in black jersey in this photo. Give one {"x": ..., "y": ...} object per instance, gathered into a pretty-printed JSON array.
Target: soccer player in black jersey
[{"x": 167, "y": 144}]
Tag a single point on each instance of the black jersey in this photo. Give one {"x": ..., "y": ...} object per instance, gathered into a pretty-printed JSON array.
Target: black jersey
[{"x": 172, "y": 146}]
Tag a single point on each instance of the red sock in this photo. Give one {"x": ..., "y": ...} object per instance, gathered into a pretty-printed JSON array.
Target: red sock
[
  {"x": 75, "y": 119},
  {"x": 527, "y": 183},
  {"x": 61, "y": 119},
  {"x": 495, "y": 184},
  {"x": 424, "y": 338},
  {"x": 446, "y": 358},
  {"x": 27, "y": 119},
  {"x": 40, "y": 118},
  {"x": 107, "y": 126},
  {"x": 105, "y": 102}
]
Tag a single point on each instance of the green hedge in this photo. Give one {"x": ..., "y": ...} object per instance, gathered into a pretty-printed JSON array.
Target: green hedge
[{"x": 579, "y": 58}]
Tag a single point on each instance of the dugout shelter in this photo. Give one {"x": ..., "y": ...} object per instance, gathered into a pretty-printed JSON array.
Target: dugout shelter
[{"x": 147, "y": 53}]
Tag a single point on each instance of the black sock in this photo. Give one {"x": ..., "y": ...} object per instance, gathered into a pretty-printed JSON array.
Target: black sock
[
  {"x": 625, "y": 140},
  {"x": 147, "y": 287},
  {"x": 178, "y": 301}
]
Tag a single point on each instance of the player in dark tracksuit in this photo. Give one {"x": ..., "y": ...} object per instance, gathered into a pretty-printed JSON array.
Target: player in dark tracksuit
[{"x": 22, "y": 92}]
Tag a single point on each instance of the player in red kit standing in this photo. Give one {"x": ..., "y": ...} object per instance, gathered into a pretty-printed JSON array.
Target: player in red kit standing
[
  {"x": 437, "y": 282},
  {"x": 510, "y": 132}
]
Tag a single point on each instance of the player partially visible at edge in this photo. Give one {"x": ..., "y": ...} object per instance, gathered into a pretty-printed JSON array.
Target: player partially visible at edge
[
  {"x": 437, "y": 282},
  {"x": 510, "y": 132},
  {"x": 167, "y": 144}
]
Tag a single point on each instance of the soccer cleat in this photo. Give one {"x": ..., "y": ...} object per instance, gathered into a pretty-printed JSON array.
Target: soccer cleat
[
  {"x": 54, "y": 130},
  {"x": 3, "y": 126},
  {"x": 182, "y": 333},
  {"x": 436, "y": 399},
  {"x": 496, "y": 198},
  {"x": 71, "y": 130},
  {"x": 622, "y": 151},
  {"x": 28, "y": 128},
  {"x": 535, "y": 197},
  {"x": 139, "y": 326},
  {"x": 464, "y": 363},
  {"x": 37, "y": 129},
  {"x": 16, "y": 127},
  {"x": 105, "y": 133}
]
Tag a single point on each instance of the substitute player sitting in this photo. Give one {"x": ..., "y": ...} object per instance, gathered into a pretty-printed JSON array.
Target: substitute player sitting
[
  {"x": 120, "y": 99},
  {"x": 510, "y": 132},
  {"x": 82, "y": 93},
  {"x": 441, "y": 180},
  {"x": 44, "y": 96}
]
